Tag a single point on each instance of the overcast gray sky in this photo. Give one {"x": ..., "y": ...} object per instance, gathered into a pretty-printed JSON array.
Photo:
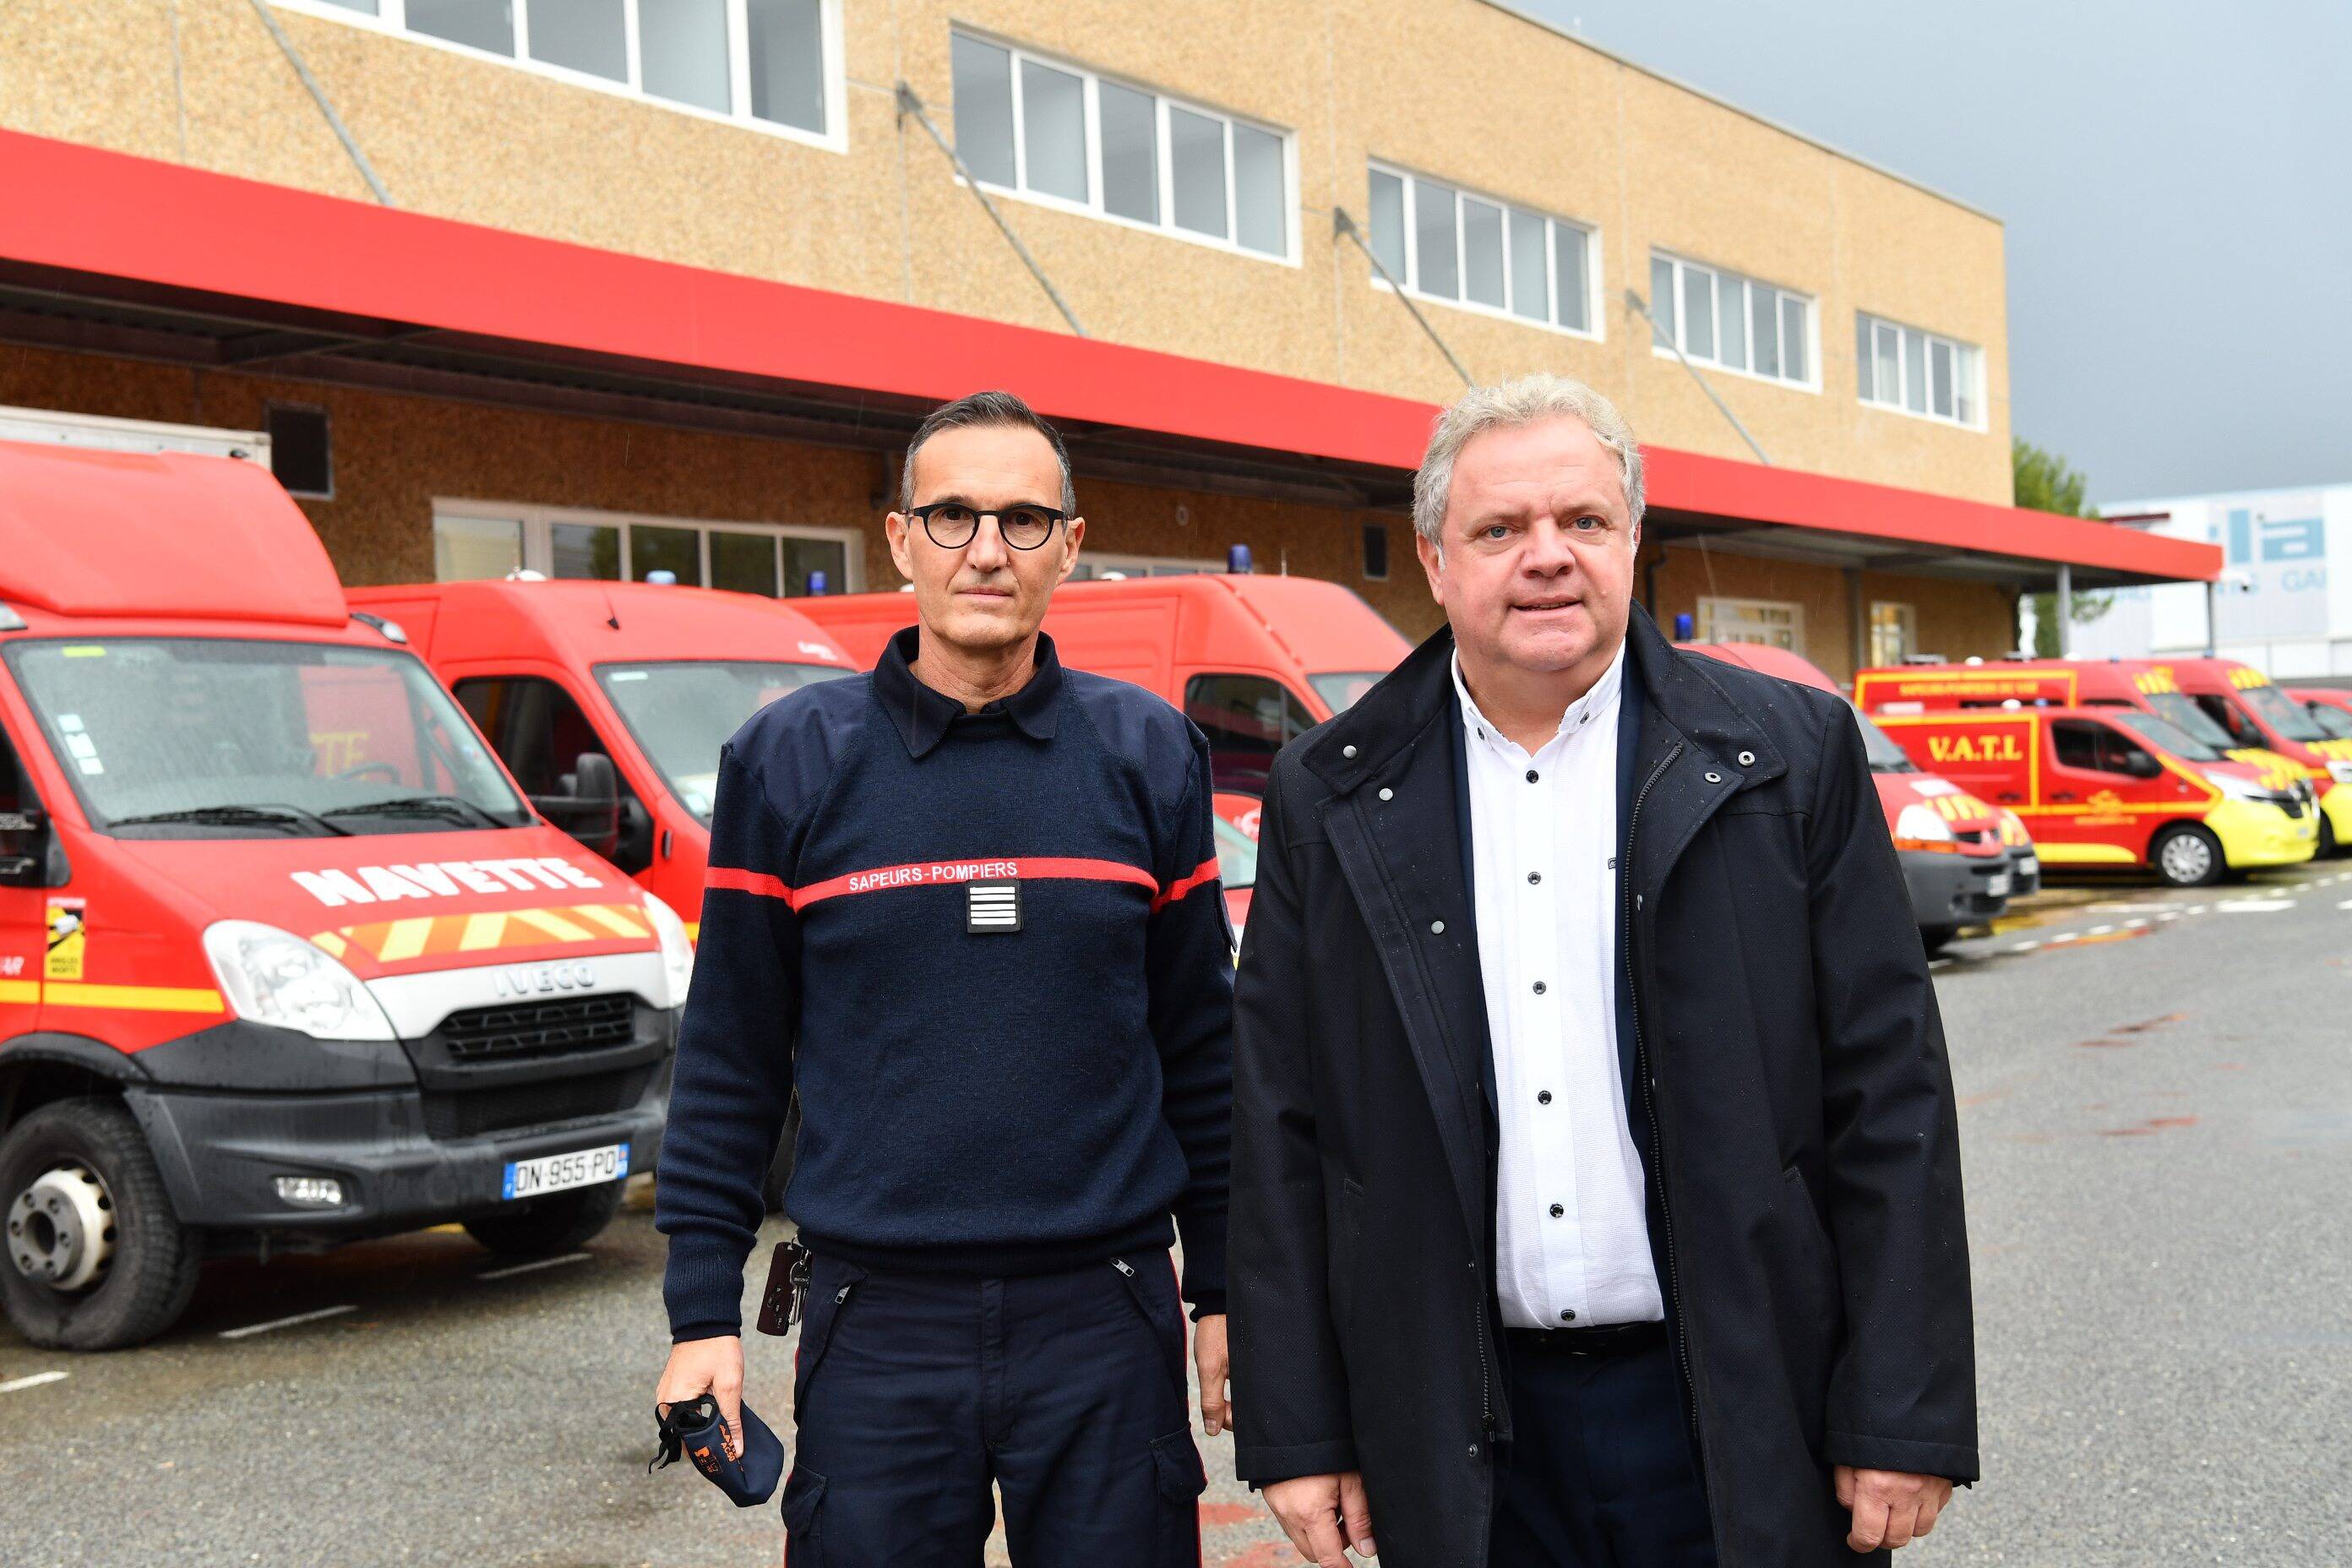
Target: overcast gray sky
[{"x": 2176, "y": 180}]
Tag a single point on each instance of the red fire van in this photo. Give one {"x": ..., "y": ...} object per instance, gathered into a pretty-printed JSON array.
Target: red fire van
[
  {"x": 1252, "y": 660},
  {"x": 288, "y": 960},
  {"x": 2114, "y": 787},
  {"x": 1960, "y": 860},
  {"x": 654, "y": 677}
]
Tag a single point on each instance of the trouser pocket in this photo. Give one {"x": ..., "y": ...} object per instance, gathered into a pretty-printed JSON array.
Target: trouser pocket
[
  {"x": 830, "y": 1284},
  {"x": 803, "y": 1529},
  {"x": 1152, "y": 1288}
]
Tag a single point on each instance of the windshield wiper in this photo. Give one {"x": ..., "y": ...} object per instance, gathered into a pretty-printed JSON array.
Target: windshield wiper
[
  {"x": 237, "y": 816},
  {"x": 445, "y": 807}
]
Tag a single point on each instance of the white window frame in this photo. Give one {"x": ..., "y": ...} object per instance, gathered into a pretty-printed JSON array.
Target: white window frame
[
  {"x": 1713, "y": 610},
  {"x": 1683, "y": 266},
  {"x": 833, "y": 138},
  {"x": 1167, "y": 227},
  {"x": 1906, "y": 617},
  {"x": 1963, "y": 353},
  {"x": 539, "y": 549},
  {"x": 1553, "y": 225},
  {"x": 1139, "y": 567}
]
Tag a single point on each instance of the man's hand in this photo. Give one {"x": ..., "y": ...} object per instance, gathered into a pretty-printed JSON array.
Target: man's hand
[
  {"x": 1209, "y": 1361},
  {"x": 712, "y": 1366},
  {"x": 1321, "y": 1514},
  {"x": 1890, "y": 1507}
]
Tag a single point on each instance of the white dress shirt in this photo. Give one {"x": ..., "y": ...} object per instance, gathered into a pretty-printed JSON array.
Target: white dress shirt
[{"x": 1571, "y": 1233}]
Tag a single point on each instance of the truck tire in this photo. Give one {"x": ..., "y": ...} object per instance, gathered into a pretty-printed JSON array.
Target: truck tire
[
  {"x": 82, "y": 1201},
  {"x": 541, "y": 1227},
  {"x": 2187, "y": 856}
]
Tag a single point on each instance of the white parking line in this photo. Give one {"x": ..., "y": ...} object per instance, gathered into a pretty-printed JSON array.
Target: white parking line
[
  {"x": 2025, "y": 947},
  {"x": 15, "y": 1383},
  {"x": 526, "y": 1268},
  {"x": 2170, "y": 915},
  {"x": 2257, "y": 906},
  {"x": 2135, "y": 925},
  {"x": 2099, "y": 931},
  {"x": 286, "y": 1323},
  {"x": 2347, "y": 904},
  {"x": 2066, "y": 936},
  {"x": 2194, "y": 909}
]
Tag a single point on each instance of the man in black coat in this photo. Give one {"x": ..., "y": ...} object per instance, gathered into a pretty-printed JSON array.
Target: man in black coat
[{"x": 1596, "y": 1185}]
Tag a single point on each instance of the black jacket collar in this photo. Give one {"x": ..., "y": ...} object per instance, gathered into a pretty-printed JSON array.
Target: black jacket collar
[
  {"x": 924, "y": 715},
  {"x": 1360, "y": 743}
]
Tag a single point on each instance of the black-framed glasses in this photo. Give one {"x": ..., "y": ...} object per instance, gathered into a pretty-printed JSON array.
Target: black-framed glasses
[{"x": 1024, "y": 526}]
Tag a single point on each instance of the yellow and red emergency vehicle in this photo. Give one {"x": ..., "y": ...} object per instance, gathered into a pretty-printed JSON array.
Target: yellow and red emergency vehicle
[
  {"x": 2104, "y": 780},
  {"x": 2257, "y": 714},
  {"x": 1963, "y": 859},
  {"x": 654, "y": 677},
  {"x": 2149, "y": 685},
  {"x": 286, "y": 959},
  {"x": 2330, "y": 708}
]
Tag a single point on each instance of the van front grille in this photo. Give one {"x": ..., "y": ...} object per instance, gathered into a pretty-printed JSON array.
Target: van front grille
[
  {"x": 469, "y": 1113},
  {"x": 552, "y": 1027}
]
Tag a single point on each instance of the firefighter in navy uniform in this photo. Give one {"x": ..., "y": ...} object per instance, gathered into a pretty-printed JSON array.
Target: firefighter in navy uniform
[{"x": 968, "y": 906}]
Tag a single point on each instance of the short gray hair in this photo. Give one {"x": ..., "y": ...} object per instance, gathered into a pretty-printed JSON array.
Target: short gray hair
[
  {"x": 1528, "y": 400},
  {"x": 985, "y": 409}
]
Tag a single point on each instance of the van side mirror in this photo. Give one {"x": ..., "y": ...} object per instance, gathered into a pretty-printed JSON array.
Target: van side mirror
[
  {"x": 25, "y": 845},
  {"x": 2141, "y": 765},
  {"x": 590, "y": 807}
]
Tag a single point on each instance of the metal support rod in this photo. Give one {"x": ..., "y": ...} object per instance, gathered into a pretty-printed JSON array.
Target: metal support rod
[
  {"x": 2065, "y": 610},
  {"x": 1341, "y": 224},
  {"x": 909, "y": 104},
  {"x": 1642, "y": 307},
  {"x": 2210, "y": 588},
  {"x": 318, "y": 96}
]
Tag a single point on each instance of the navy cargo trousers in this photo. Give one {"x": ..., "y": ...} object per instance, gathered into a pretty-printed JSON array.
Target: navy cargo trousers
[{"x": 916, "y": 1393}]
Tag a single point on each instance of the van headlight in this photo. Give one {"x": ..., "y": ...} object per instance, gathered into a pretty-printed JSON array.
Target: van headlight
[
  {"x": 2237, "y": 788},
  {"x": 2340, "y": 772},
  {"x": 1921, "y": 826},
  {"x": 676, "y": 948},
  {"x": 273, "y": 976}
]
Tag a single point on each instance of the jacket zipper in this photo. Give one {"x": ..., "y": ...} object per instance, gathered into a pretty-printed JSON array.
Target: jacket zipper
[{"x": 1650, "y": 1097}]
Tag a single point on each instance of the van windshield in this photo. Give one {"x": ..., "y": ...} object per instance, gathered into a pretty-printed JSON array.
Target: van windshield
[
  {"x": 1885, "y": 756},
  {"x": 2163, "y": 735},
  {"x": 2177, "y": 708},
  {"x": 1341, "y": 691},
  {"x": 220, "y": 738},
  {"x": 1236, "y": 855},
  {"x": 681, "y": 711},
  {"x": 2334, "y": 721},
  {"x": 2290, "y": 718}
]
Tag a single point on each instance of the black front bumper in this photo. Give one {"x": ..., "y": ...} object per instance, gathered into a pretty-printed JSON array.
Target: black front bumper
[
  {"x": 408, "y": 1154},
  {"x": 1952, "y": 889}
]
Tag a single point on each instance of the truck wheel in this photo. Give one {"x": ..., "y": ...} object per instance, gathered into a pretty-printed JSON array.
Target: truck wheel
[
  {"x": 543, "y": 1226},
  {"x": 96, "y": 1258},
  {"x": 2328, "y": 841},
  {"x": 2186, "y": 856},
  {"x": 1936, "y": 939}
]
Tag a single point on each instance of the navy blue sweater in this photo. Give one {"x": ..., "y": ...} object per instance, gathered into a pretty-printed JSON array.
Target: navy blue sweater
[{"x": 991, "y": 951}]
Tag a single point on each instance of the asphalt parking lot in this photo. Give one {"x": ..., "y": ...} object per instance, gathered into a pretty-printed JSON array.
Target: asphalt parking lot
[{"x": 2155, "y": 1092}]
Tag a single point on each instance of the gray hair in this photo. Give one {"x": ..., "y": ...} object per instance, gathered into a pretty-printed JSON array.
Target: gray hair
[
  {"x": 1528, "y": 400},
  {"x": 980, "y": 409}
]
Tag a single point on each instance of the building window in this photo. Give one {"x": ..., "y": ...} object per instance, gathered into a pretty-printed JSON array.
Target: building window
[
  {"x": 1376, "y": 551},
  {"x": 774, "y": 63},
  {"x": 1070, "y": 138},
  {"x": 1894, "y": 633},
  {"x": 1912, "y": 372},
  {"x": 302, "y": 449},
  {"x": 473, "y": 539},
  {"x": 1444, "y": 243},
  {"x": 1099, "y": 565},
  {"x": 1752, "y": 620},
  {"x": 1731, "y": 322}
]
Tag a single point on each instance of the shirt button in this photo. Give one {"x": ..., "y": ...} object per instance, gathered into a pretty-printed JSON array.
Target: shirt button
[
  {"x": 1557, "y": 1211},
  {"x": 1532, "y": 775},
  {"x": 1533, "y": 878},
  {"x": 1539, "y": 987},
  {"x": 1437, "y": 928},
  {"x": 1746, "y": 759},
  {"x": 1348, "y": 750},
  {"x": 1388, "y": 795},
  {"x": 1543, "y": 1097},
  {"x": 1567, "y": 1314}
]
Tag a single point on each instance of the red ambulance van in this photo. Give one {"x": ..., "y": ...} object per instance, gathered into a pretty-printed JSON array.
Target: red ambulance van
[
  {"x": 1961, "y": 860},
  {"x": 2329, "y": 708},
  {"x": 654, "y": 677},
  {"x": 288, "y": 960},
  {"x": 2110, "y": 788},
  {"x": 2242, "y": 700},
  {"x": 1252, "y": 660}
]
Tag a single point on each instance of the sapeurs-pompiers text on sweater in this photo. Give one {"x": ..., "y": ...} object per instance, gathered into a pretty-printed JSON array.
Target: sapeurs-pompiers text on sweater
[{"x": 989, "y": 950}]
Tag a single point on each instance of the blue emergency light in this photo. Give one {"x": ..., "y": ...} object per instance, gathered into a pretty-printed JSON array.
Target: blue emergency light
[{"x": 1237, "y": 560}]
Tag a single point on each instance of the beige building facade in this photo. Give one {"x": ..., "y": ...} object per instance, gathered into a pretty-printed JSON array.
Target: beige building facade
[{"x": 1181, "y": 177}]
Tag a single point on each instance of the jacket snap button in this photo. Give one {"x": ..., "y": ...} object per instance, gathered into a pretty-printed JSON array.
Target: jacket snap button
[
  {"x": 1388, "y": 795},
  {"x": 1715, "y": 778},
  {"x": 1348, "y": 750},
  {"x": 1437, "y": 928},
  {"x": 1474, "y": 1450},
  {"x": 1746, "y": 759}
]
